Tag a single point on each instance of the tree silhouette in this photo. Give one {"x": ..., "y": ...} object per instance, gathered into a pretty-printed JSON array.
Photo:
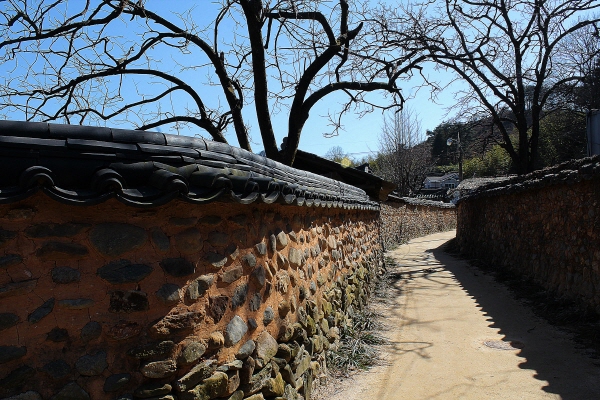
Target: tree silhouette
[
  {"x": 120, "y": 61},
  {"x": 512, "y": 55}
]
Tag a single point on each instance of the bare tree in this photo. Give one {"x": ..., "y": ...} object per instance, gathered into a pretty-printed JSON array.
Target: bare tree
[
  {"x": 121, "y": 61},
  {"x": 336, "y": 153},
  {"x": 404, "y": 156},
  {"x": 512, "y": 55}
]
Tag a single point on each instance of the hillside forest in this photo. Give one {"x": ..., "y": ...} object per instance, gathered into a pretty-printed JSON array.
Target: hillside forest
[{"x": 407, "y": 154}]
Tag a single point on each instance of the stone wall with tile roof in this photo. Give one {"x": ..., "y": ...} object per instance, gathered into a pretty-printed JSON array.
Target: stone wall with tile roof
[
  {"x": 87, "y": 165},
  {"x": 544, "y": 226},
  {"x": 405, "y": 218},
  {"x": 144, "y": 265}
]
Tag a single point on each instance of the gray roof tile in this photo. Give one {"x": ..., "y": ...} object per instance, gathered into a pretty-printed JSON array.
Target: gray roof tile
[{"x": 88, "y": 165}]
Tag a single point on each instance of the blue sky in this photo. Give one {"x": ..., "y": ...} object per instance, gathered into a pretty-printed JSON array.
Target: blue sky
[{"x": 359, "y": 136}]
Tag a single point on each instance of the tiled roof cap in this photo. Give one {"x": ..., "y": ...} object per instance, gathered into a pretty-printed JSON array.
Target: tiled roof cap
[
  {"x": 568, "y": 172},
  {"x": 442, "y": 178},
  {"x": 88, "y": 165}
]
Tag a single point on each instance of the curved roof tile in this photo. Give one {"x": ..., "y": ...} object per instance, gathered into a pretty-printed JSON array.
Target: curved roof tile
[{"x": 88, "y": 165}]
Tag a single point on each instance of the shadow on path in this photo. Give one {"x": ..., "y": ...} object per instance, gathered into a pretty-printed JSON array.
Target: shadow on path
[
  {"x": 544, "y": 349},
  {"x": 456, "y": 333}
]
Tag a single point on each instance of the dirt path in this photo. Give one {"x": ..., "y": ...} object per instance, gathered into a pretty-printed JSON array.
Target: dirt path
[{"x": 456, "y": 334}]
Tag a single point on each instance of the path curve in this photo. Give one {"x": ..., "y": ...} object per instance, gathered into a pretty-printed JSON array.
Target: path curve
[{"x": 457, "y": 334}]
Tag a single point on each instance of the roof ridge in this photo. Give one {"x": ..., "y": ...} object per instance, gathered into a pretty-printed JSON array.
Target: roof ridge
[{"x": 87, "y": 165}]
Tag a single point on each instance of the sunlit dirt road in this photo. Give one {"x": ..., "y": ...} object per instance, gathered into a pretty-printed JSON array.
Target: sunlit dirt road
[{"x": 457, "y": 334}]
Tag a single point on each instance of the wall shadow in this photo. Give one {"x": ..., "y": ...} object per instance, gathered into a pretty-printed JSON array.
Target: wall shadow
[{"x": 569, "y": 373}]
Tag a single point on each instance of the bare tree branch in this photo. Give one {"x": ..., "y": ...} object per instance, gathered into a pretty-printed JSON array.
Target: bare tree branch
[
  {"x": 148, "y": 65},
  {"x": 509, "y": 54}
]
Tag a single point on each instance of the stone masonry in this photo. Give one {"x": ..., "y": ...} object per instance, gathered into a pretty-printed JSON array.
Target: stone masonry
[
  {"x": 178, "y": 301},
  {"x": 403, "y": 219},
  {"x": 544, "y": 226},
  {"x": 153, "y": 266}
]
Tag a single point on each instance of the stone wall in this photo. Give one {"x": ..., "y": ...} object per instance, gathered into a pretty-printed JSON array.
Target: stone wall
[
  {"x": 179, "y": 301},
  {"x": 403, "y": 219},
  {"x": 145, "y": 265},
  {"x": 544, "y": 226}
]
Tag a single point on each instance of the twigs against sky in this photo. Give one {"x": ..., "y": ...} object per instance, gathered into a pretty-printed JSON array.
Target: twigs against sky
[
  {"x": 404, "y": 155},
  {"x": 512, "y": 55},
  {"x": 164, "y": 65}
]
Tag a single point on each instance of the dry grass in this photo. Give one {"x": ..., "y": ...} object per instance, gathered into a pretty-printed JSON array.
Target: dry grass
[
  {"x": 358, "y": 349},
  {"x": 360, "y": 341}
]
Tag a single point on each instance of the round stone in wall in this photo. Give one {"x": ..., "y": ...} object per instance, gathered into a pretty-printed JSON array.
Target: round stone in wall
[
  {"x": 153, "y": 390},
  {"x": 177, "y": 267},
  {"x": 159, "y": 369},
  {"x": 249, "y": 259},
  {"x": 266, "y": 347},
  {"x": 302, "y": 293},
  {"x": 124, "y": 330},
  {"x": 216, "y": 260},
  {"x": 261, "y": 248},
  {"x": 9, "y": 260},
  {"x": 116, "y": 382},
  {"x": 268, "y": 316},
  {"x": 295, "y": 257},
  {"x": 246, "y": 350},
  {"x": 217, "y": 307},
  {"x": 123, "y": 271},
  {"x": 236, "y": 329},
  {"x": 198, "y": 287},
  {"x": 283, "y": 308},
  {"x": 232, "y": 274},
  {"x": 75, "y": 304},
  {"x": 189, "y": 241},
  {"x": 282, "y": 240},
  {"x": 191, "y": 352},
  {"x": 41, "y": 311},
  {"x": 57, "y": 369},
  {"x": 173, "y": 324},
  {"x": 255, "y": 301},
  {"x": 68, "y": 229},
  {"x": 17, "y": 378},
  {"x": 239, "y": 296},
  {"x": 65, "y": 275},
  {"x": 71, "y": 391},
  {"x": 8, "y": 320},
  {"x": 91, "y": 364},
  {"x": 216, "y": 340},
  {"x": 168, "y": 293},
  {"x": 92, "y": 330},
  {"x": 31, "y": 395},
  {"x": 252, "y": 324},
  {"x": 53, "y": 251},
  {"x": 258, "y": 276},
  {"x": 160, "y": 240},
  {"x": 114, "y": 239},
  {"x": 232, "y": 251},
  {"x": 128, "y": 301},
  {"x": 152, "y": 350},
  {"x": 10, "y": 353},
  {"x": 17, "y": 288}
]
